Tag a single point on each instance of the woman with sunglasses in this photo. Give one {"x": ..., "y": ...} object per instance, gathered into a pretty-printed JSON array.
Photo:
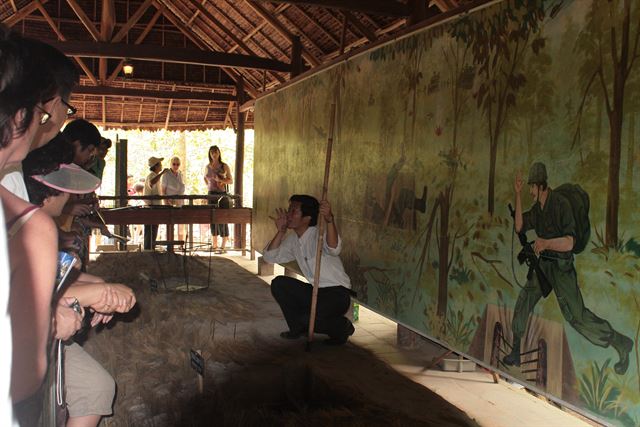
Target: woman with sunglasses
[
  {"x": 30, "y": 89},
  {"x": 172, "y": 184}
]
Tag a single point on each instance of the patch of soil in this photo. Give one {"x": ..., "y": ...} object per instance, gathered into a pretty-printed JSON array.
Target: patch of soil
[{"x": 252, "y": 377}]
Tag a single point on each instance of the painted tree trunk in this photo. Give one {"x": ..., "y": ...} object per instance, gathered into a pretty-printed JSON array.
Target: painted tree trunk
[
  {"x": 631, "y": 141},
  {"x": 613, "y": 196},
  {"x": 443, "y": 254},
  {"x": 493, "y": 152}
]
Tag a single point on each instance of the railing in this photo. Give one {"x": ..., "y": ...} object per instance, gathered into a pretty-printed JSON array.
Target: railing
[{"x": 536, "y": 364}]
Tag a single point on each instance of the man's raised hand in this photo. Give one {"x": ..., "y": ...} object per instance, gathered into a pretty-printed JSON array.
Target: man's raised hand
[
  {"x": 517, "y": 185},
  {"x": 280, "y": 219}
]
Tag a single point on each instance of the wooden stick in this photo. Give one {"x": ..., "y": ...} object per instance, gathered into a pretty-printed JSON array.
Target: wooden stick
[{"x": 321, "y": 222}]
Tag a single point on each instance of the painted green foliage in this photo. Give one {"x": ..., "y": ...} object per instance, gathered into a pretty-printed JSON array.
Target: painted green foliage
[{"x": 431, "y": 132}]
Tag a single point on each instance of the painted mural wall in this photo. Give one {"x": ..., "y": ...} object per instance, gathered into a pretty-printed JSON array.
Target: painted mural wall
[{"x": 434, "y": 134}]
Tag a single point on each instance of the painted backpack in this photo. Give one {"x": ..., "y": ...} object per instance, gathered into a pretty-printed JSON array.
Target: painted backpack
[{"x": 579, "y": 201}]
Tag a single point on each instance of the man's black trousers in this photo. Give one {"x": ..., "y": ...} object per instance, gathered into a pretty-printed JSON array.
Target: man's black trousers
[{"x": 294, "y": 298}]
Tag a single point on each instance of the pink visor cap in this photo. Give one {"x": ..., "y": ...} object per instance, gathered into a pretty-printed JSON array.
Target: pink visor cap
[{"x": 70, "y": 178}]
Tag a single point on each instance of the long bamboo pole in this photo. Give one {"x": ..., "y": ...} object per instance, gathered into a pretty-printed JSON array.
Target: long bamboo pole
[{"x": 321, "y": 221}]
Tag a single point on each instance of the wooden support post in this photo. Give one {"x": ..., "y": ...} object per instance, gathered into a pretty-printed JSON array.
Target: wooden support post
[
  {"x": 238, "y": 230},
  {"x": 121, "y": 184},
  {"x": 296, "y": 56},
  {"x": 418, "y": 9},
  {"x": 343, "y": 36},
  {"x": 264, "y": 268}
]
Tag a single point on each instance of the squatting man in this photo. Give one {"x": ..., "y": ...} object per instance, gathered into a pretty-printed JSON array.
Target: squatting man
[{"x": 293, "y": 295}]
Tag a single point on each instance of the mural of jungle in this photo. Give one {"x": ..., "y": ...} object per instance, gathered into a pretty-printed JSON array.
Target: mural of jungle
[{"x": 485, "y": 179}]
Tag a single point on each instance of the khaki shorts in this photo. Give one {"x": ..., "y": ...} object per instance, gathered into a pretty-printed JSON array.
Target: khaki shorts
[{"x": 89, "y": 388}]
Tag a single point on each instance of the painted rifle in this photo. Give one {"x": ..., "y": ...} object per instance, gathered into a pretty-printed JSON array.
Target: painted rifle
[{"x": 528, "y": 256}]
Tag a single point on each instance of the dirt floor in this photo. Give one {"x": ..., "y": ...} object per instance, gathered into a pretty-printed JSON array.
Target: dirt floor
[{"x": 252, "y": 376}]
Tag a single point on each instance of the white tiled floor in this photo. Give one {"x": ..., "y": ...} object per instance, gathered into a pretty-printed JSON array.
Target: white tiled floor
[{"x": 490, "y": 404}]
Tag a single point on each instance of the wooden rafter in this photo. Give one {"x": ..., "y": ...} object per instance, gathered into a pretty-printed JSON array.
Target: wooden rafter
[
  {"x": 228, "y": 118},
  {"x": 201, "y": 43},
  {"x": 155, "y": 125},
  {"x": 372, "y": 22},
  {"x": 216, "y": 22},
  {"x": 238, "y": 42},
  {"x": 139, "y": 40},
  {"x": 343, "y": 36},
  {"x": 88, "y": 24},
  {"x": 277, "y": 25},
  {"x": 392, "y": 27},
  {"x": 317, "y": 25},
  {"x": 370, "y": 35},
  {"x": 104, "y": 110},
  {"x": 302, "y": 33},
  {"x": 195, "y": 15},
  {"x": 257, "y": 27},
  {"x": 19, "y": 15},
  {"x": 336, "y": 16},
  {"x": 246, "y": 37},
  {"x": 133, "y": 20},
  {"x": 374, "y": 7},
  {"x": 166, "y": 122},
  {"x": 158, "y": 53},
  {"x": 61, "y": 37},
  {"x": 13, "y": 5},
  {"x": 152, "y": 94},
  {"x": 107, "y": 24},
  {"x": 444, "y": 5}
]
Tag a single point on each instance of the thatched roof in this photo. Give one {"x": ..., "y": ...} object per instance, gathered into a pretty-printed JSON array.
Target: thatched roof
[{"x": 189, "y": 55}]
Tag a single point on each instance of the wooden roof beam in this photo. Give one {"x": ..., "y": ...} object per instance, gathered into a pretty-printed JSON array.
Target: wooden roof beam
[
  {"x": 152, "y": 94},
  {"x": 177, "y": 21},
  {"x": 13, "y": 6},
  {"x": 444, "y": 5},
  {"x": 277, "y": 25},
  {"x": 256, "y": 28},
  {"x": 370, "y": 35},
  {"x": 238, "y": 42},
  {"x": 139, "y": 40},
  {"x": 356, "y": 43},
  {"x": 159, "y": 53},
  {"x": 216, "y": 124},
  {"x": 23, "y": 13},
  {"x": 302, "y": 33},
  {"x": 204, "y": 12},
  {"x": 374, "y": 7},
  {"x": 133, "y": 20},
  {"x": 248, "y": 36},
  {"x": 88, "y": 24},
  {"x": 107, "y": 24},
  {"x": 317, "y": 24},
  {"x": 61, "y": 37}
]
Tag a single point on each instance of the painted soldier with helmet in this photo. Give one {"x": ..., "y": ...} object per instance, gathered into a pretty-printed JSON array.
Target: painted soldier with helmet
[{"x": 557, "y": 218}]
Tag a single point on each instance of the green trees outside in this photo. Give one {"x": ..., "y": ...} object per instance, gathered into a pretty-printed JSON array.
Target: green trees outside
[{"x": 192, "y": 148}]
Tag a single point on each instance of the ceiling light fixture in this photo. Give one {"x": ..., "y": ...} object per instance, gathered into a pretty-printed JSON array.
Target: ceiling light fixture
[{"x": 127, "y": 68}]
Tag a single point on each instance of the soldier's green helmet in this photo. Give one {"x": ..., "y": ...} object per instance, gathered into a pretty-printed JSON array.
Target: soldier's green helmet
[{"x": 537, "y": 173}]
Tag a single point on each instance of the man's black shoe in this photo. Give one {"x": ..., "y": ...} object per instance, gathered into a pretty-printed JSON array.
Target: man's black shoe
[
  {"x": 340, "y": 340},
  {"x": 513, "y": 358},
  {"x": 290, "y": 335}
]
